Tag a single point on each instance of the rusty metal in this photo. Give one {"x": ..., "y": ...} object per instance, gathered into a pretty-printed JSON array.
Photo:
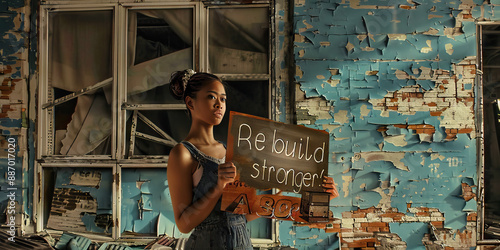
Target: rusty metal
[
  {"x": 133, "y": 128},
  {"x": 169, "y": 140},
  {"x": 128, "y": 106}
]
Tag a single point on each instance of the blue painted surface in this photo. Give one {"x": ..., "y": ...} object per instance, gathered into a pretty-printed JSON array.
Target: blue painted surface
[
  {"x": 339, "y": 24},
  {"x": 411, "y": 233},
  {"x": 354, "y": 41}
]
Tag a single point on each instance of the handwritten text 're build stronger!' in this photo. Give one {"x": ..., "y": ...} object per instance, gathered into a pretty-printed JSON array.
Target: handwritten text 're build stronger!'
[{"x": 299, "y": 150}]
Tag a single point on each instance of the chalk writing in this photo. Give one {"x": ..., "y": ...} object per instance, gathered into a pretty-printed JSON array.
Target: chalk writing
[{"x": 270, "y": 154}]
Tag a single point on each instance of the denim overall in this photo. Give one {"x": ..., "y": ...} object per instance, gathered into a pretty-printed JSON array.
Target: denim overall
[{"x": 220, "y": 230}]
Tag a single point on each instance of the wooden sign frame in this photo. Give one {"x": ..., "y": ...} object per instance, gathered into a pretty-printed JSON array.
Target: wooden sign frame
[
  {"x": 270, "y": 154},
  {"x": 258, "y": 146}
]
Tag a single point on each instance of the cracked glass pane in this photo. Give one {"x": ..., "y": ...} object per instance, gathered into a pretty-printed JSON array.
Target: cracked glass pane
[
  {"x": 160, "y": 42},
  {"x": 150, "y": 141},
  {"x": 239, "y": 40},
  {"x": 80, "y": 60}
]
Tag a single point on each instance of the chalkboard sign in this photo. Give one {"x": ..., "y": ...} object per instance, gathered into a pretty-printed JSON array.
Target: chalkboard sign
[{"x": 271, "y": 154}]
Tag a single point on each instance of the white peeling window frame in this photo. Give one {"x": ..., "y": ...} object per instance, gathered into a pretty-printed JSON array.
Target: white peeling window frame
[
  {"x": 483, "y": 127},
  {"x": 118, "y": 159}
]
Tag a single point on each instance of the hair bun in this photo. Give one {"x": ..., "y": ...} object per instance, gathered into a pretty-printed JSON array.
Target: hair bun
[{"x": 179, "y": 81}]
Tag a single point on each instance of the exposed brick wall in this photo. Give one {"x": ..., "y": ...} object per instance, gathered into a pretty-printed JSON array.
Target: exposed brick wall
[
  {"x": 393, "y": 82},
  {"x": 68, "y": 207}
]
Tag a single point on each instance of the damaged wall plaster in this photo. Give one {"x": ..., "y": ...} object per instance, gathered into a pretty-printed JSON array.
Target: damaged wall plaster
[
  {"x": 16, "y": 139},
  {"x": 398, "y": 80},
  {"x": 392, "y": 81}
]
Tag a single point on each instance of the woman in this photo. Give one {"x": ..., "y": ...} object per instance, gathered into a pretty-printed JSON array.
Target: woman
[{"x": 197, "y": 172}]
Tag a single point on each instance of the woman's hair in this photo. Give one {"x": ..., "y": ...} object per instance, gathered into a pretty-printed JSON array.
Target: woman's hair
[{"x": 187, "y": 83}]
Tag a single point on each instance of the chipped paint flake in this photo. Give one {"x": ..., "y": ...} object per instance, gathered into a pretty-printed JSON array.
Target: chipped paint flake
[
  {"x": 395, "y": 158},
  {"x": 397, "y": 140},
  {"x": 349, "y": 46},
  {"x": 345, "y": 184},
  {"x": 449, "y": 48},
  {"x": 86, "y": 178},
  {"x": 341, "y": 116},
  {"x": 364, "y": 112},
  {"x": 400, "y": 37},
  {"x": 428, "y": 48}
]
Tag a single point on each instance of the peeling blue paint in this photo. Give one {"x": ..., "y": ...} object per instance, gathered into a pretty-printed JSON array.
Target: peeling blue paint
[
  {"x": 353, "y": 57},
  {"x": 411, "y": 233},
  {"x": 101, "y": 193}
]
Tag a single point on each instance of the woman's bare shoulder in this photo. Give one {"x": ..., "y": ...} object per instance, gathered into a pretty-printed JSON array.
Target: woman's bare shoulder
[{"x": 180, "y": 157}]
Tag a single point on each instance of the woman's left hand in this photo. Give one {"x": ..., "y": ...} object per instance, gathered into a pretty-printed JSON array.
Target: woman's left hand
[{"x": 329, "y": 187}]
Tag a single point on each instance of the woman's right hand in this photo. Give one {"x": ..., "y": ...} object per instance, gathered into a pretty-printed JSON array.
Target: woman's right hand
[{"x": 227, "y": 174}]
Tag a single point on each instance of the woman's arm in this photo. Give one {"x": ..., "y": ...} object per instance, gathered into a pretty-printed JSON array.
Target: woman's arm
[{"x": 180, "y": 183}]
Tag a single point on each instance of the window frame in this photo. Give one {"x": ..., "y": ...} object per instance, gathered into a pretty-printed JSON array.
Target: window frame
[
  {"x": 117, "y": 160},
  {"x": 480, "y": 134}
]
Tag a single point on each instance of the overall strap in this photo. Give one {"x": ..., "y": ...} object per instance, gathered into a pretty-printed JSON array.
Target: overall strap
[{"x": 194, "y": 151}]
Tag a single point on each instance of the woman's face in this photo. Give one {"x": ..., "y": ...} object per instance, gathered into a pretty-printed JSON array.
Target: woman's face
[{"x": 209, "y": 106}]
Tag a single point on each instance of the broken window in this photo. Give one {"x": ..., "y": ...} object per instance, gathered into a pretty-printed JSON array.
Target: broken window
[
  {"x": 159, "y": 42},
  {"x": 106, "y": 110},
  {"x": 79, "y": 81},
  {"x": 489, "y": 64}
]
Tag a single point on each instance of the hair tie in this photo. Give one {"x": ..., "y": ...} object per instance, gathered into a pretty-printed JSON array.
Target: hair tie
[{"x": 187, "y": 75}]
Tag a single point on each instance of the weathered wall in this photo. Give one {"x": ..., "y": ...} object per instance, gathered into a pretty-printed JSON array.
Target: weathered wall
[
  {"x": 16, "y": 166},
  {"x": 393, "y": 82}
]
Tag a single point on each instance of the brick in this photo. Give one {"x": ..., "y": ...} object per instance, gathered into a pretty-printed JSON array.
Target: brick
[
  {"x": 356, "y": 244},
  {"x": 367, "y": 210},
  {"x": 391, "y": 215},
  {"x": 464, "y": 130},
  {"x": 377, "y": 224},
  {"x": 387, "y": 219},
  {"x": 436, "y": 214},
  {"x": 423, "y": 214},
  {"x": 424, "y": 219},
  {"x": 348, "y": 221},
  {"x": 346, "y": 215},
  {"x": 359, "y": 215},
  {"x": 373, "y": 229},
  {"x": 437, "y": 224},
  {"x": 332, "y": 230},
  {"x": 410, "y": 218},
  {"x": 398, "y": 218},
  {"x": 360, "y": 220}
]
